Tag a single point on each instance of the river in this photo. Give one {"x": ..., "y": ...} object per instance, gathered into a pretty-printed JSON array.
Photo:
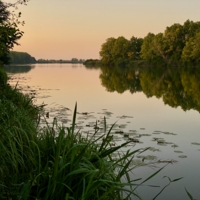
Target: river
[{"x": 148, "y": 119}]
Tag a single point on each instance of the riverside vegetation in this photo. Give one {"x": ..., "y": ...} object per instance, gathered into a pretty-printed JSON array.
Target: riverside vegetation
[
  {"x": 57, "y": 162},
  {"x": 54, "y": 162}
]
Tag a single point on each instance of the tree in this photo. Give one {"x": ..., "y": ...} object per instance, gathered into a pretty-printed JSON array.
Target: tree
[
  {"x": 135, "y": 48},
  {"x": 147, "y": 52},
  {"x": 21, "y": 58},
  {"x": 120, "y": 51},
  {"x": 106, "y": 52},
  {"x": 174, "y": 42},
  {"x": 9, "y": 31},
  {"x": 191, "y": 51}
]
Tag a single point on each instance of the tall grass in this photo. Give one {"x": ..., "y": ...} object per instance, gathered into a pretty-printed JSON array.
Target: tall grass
[{"x": 57, "y": 163}]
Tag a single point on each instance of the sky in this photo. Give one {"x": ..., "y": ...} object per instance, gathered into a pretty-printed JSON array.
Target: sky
[{"x": 66, "y": 29}]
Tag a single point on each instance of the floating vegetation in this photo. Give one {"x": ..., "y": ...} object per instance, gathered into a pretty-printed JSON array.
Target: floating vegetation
[
  {"x": 119, "y": 132},
  {"x": 174, "y": 145},
  {"x": 178, "y": 151},
  {"x": 144, "y": 135},
  {"x": 148, "y": 157},
  {"x": 169, "y": 143},
  {"x": 122, "y": 126},
  {"x": 168, "y": 133},
  {"x": 156, "y": 133},
  {"x": 153, "y": 149},
  {"x": 43, "y": 97},
  {"x": 134, "y": 140},
  {"x": 142, "y": 128},
  {"x": 137, "y": 162},
  {"x": 124, "y": 117},
  {"x": 108, "y": 114},
  {"x": 160, "y": 141},
  {"x": 182, "y": 156},
  {"x": 134, "y": 131},
  {"x": 195, "y": 143},
  {"x": 133, "y": 134},
  {"x": 162, "y": 144},
  {"x": 126, "y": 135},
  {"x": 156, "y": 139},
  {"x": 167, "y": 161}
]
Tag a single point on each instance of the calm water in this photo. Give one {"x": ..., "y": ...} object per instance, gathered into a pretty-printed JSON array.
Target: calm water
[{"x": 60, "y": 86}]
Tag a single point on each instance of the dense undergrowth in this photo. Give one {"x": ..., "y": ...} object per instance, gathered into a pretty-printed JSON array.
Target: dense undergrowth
[{"x": 56, "y": 162}]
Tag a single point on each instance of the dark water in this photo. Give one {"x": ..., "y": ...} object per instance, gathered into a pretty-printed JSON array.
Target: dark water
[{"x": 147, "y": 104}]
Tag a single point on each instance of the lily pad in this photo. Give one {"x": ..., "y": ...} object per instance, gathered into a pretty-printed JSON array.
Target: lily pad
[
  {"x": 133, "y": 131},
  {"x": 169, "y": 143},
  {"x": 156, "y": 133},
  {"x": 178, "y": 151},
  {"x": 148, "y": 157},
  {"x": 160, "y": 141},
  {"x": 153, "y": 149},
  {"x": 174, "y": 145},
  {"x": 137, "y": 162},
  {"x": 122, "y": 126},
  {"x": 195, "y": 143},
  {"x": 182, "y": 156},
  {"x": 168, "y": 133}
]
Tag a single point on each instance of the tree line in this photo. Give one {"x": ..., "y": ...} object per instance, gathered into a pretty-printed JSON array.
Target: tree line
[
  {"x": 177, "y": 44},
  {"x": 21, "y": 58}
]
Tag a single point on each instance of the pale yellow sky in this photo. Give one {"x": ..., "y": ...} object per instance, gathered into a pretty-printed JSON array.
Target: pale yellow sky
[{"x": 66, "y": 29}]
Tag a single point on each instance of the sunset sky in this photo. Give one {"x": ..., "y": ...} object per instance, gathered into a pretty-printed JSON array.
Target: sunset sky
[{"x": 66, "y": 29}]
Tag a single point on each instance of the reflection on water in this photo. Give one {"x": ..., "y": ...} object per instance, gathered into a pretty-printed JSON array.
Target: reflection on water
[
  {"x": 176, "y": 86},
  {"x": 172, "y": 134},
  {"x": 18, "y": 68}
]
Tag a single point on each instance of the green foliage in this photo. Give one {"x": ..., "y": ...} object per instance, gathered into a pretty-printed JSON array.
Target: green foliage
[
  {"x": 191, "y": 50},
  {"x": 21, "y": 58},
  {"x": 106, "y": 52},
  {"x": 3, "y": 78},
  {"x": 9, "y": 32},
  {"x": 120, "y": 51},
  {"x": 178, "y": 44},
  {"x": 147, "y": 52},
  {"x": 135, "y": 48},
  {"x": 92, "y": 63}
]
